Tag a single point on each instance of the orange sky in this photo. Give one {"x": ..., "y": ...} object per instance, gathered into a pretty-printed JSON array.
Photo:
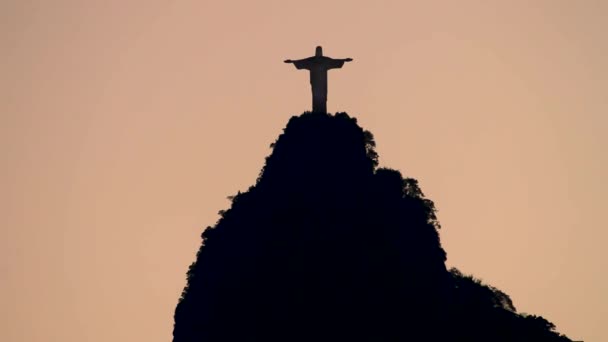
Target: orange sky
[{"x": 124, "y": 125}]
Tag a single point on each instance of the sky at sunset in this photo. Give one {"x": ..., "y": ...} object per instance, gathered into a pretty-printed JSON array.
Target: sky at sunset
[{"x": 125, "y": 124}]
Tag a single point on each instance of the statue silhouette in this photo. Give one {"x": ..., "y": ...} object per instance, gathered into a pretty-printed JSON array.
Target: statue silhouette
[{"x": 318, "y": 66}]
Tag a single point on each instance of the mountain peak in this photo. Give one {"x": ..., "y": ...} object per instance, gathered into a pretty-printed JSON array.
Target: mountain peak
[{"x": 326, "y": 246}]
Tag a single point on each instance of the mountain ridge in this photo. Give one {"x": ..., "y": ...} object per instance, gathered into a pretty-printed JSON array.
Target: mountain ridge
[{"x": 329, "y": 246}]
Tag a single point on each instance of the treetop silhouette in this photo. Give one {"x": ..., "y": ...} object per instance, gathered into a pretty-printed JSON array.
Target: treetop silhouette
[{"x": 327, "y": 246}]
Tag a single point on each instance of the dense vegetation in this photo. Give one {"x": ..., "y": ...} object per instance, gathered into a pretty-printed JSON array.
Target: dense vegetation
[{"x": 326, "y": 246}]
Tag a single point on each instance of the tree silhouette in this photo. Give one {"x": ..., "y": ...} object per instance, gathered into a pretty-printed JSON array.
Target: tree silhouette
[{"x": 326, "y": 246}]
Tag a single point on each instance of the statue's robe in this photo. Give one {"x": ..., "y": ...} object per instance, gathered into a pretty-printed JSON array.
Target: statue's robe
[{"x": 318, "y": 67}]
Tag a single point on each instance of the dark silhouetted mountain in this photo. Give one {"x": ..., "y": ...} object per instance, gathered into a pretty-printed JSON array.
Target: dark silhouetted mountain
[{"x": 326, "y": 246}]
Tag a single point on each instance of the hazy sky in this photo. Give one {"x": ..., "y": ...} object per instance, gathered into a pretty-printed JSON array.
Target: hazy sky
[{"x": 125, "y": 125}]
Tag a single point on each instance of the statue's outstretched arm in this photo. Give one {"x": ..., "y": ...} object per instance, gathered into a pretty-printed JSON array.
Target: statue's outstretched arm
[{"x": 300, "y": 63}]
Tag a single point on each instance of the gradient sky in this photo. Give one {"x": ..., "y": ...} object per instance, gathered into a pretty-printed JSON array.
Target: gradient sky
[{"x": 124, "y": 125}]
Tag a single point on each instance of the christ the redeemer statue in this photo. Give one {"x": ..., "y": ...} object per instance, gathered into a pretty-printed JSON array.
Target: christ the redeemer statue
[{"x": 318, "y": 66}]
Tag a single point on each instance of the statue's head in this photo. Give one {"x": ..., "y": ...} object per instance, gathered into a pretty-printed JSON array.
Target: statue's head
[{"x": 319, "y": 51}]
